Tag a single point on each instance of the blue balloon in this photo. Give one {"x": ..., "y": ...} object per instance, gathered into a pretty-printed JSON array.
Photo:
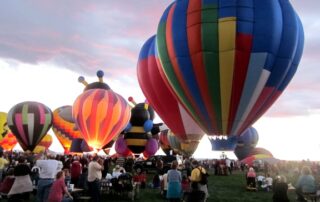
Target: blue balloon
[{"x": 148, "y": 125}]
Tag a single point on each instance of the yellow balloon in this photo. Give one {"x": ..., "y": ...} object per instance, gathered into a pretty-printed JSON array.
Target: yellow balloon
[
  {"x": 4, "y": 129},
  {"x": 39, "y": 149}
]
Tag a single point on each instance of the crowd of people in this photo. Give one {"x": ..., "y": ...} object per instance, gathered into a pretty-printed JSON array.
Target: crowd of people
[
  {"x": 52, "y": 177},
  {"x": 301, "y": 174}
]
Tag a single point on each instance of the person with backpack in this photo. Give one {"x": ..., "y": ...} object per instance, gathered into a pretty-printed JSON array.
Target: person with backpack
[{"x": 199, "y": 176}]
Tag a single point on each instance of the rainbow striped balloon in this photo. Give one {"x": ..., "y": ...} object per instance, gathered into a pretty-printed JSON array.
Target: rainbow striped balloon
[
  {"x": 228, "y": 61},
  {"x": 29, "y": 122},
  {"x": 63, "y": 126},
  {"x": 100, "y": 115}
]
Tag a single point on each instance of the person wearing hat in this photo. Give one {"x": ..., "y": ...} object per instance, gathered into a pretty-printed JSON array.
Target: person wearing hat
[{"x": 196, "y": 177}]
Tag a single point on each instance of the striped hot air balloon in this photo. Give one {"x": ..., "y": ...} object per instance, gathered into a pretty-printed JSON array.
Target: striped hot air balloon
[
  {"x": 228, "y": 61},
  {"x": 29, "y": 122},
  {"x": 100, "y": 115},
  {"x": 44, "y": 144},
  {"x": 64, "y": 127},
  {"x": 162, "y": 99}
]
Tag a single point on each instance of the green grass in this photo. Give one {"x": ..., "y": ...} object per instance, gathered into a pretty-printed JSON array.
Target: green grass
[{"x": 221, "y": 189}]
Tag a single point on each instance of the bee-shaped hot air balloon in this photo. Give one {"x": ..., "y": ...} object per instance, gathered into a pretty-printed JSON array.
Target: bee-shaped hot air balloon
[
  {"x": 139, "y": 128},
  {"x": 99, "y": 113}
]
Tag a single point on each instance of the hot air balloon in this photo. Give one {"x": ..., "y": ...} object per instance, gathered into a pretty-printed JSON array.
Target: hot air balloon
[
  {"x": 106, "y": 148},
  {"x": 174, "y": 142},
  {"x": 228, "y": 61},
  {"x": 259, "y": 150},
  {"x": 64, "y": 127},
  {"x": 223, "y": 143},
  {"x": 100, "y": 114},
  {"x": 121, "y": 146},
  {"x": 29, "y": 122},
  {"x": 152, "y": 147},
  {"x": 139, "y": 128},
  {"x": 4, "y": 130},
  {"x": 44, "y": 144},
  {"x": 164, "y": 142},
  {"x": 8, "y": 142},
  {"x": 76, "y": 146},
  {"x": 162, "y": 99},
  {"x": 246, "y": 143}
]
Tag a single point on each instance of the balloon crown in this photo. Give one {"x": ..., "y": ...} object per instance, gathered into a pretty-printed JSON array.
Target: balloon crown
[{"x": 95, "y": 85}]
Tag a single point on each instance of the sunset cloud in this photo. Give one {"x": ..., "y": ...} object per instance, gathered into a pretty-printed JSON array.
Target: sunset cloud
[{"x": 84, "y": 36}]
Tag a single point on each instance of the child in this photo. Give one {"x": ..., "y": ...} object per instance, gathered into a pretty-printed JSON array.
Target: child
[{"x": 185, "y": 185}]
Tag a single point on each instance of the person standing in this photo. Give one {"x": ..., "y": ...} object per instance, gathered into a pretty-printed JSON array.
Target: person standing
[
  {"x": 95, "y": 168},
  {"x": 75, "y": 170},
  {"x": 22, "y": 186},
  {"x": 196, "y": 177},
  {"x": 174, "y": 183},
  {"x": 280, "y": 190},
  {"x": 48, "y": 170},
  {"x": 3, "y": 163},
  {"x": 228, "y": 164},
  {"x": 306, "y": 183}
]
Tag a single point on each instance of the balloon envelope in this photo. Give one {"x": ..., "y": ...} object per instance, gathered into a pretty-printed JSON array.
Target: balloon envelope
[
  {"x": 161, "y": 98},
  {"x": 152, "y": 147},
  {"x": 100, "y": 115},
  {"x": 29, "y": 122},
  {"x": 64, "y": 127},
  {"x": 164, "y": 142},
  {"x": 4, "y": 130},
  {"x": 8, "y": 142},
  {"x": 246, "y": 143},
  {"x": 228, "y": 61}
]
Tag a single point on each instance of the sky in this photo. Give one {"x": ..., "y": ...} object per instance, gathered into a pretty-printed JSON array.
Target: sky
[{"x": 46, "y": 45}]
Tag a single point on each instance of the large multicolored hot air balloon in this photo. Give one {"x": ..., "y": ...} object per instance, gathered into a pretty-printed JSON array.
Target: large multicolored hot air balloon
[
  {"x": 228, "y": 61},
  {"x": 4, "y": 130},
  {"x": 100, "y": 114},
  {"x": 246, "y": 143},
  {"x": 161, "y": 98},
  {"x": 29, "y": 122},
  {"x": 64, "y": 127}
]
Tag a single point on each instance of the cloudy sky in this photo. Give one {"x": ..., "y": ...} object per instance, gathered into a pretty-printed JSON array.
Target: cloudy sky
[{"x": 46, "y": 45}]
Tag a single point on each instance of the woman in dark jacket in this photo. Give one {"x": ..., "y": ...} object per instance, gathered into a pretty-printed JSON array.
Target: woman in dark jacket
[{"x": 280, "y": 189}]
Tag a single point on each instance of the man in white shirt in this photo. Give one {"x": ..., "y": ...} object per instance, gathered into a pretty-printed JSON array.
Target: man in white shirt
[
  {"x": 94, "y": 177},
  {"x": 48, "y": 170}
]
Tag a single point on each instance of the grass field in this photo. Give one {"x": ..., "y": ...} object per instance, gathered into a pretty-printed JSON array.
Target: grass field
[{"x": 221, "y": 189}]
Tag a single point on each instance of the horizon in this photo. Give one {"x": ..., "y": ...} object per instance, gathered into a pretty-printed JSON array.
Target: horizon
[{"x": 45, "y": 48}]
